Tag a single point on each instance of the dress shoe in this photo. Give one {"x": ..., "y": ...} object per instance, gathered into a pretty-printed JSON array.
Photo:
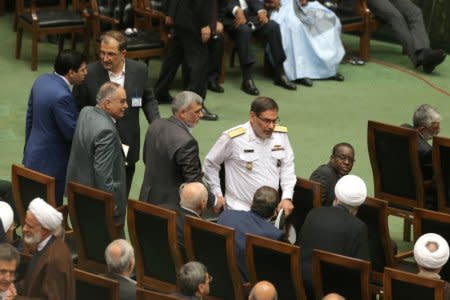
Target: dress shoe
[
  {"x": 338, "y": 77},
  {"x": 208, "y": 116},
  {"x": 431, "y": 59},
  {"x": 305, "y": 81},
  {"x": 283, "y": 81},
  {"x": 215, "y": 86},
  {"x": 249, "y": 87}
]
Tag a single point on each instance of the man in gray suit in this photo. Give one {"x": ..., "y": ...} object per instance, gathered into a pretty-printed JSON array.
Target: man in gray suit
[
  {"x": 171, "y": 154},
  {"x": 96, "y": 158},
  {"x": 133, "y": 77}
]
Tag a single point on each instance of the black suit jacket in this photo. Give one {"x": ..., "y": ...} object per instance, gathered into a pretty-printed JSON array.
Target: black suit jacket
[
  {"x": 136, "y": 85},
  {"x": 190, "y": 15},
  {"x": 327, "y": 176},
  {"x": 127, "y": 287},
  {"x": 335, "y": 230},
  {"x": 171, "y": 158}
]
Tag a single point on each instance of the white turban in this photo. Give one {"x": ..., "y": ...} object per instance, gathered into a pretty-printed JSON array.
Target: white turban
[
  {"x": 6, "y": 215},
  {"x": 45, "y": 214},
  {"x": 431, "y": 260},
  {"x": 351, "y": 190}
]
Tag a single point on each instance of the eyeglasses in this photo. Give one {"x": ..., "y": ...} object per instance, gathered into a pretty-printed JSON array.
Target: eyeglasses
[
  {"x": 268, "y": 122},
  {"x": 345, "y": 158}
]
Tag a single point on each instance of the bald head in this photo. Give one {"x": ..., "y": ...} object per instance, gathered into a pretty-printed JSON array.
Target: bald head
[
  {"x": 119, "y": 256},
  {"x": 193, "y": 196},
  {"x": 333, "y": 296},
  {"x": 263, "y": 290}
]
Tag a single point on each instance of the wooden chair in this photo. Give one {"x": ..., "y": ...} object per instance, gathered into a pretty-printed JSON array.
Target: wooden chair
[
  {"x": 307, "y": 195},
  {"x": 340, "y": 274},
  {"x": 153, "y": 233},
  {"x": 428, "y": 221},
  {"x": 355, "y": 16},
  {"x": 142, "y": 294},
  {"x": 91, "y": 214},
  {"x": 213, "y": 245},
  {"x": 48, "y": 21},
  {"x": 441, "y": 161},
  {"x": 373, "y": 212},
  {"x": 276, "y": 262},
  {"x": 396, "y": 169},
  {"x": 28, "y": 184},
  {"x": 92, "y": 286},
  {"x": 404, "y": 285},
  {"x": 150, "y": 40}
]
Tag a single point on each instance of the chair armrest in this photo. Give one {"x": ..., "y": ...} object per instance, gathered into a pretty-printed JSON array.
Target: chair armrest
[
  {"x": 403, "y": 255},
  {"x": 362, "y": 8},
  {"x": 151, "y": 13},
  {"x": 107, "y": 19}
]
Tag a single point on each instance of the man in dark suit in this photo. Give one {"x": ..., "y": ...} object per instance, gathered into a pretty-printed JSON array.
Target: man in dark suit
[
  {"x": 340, "y": 164},
  {"x": 193, "y": 281},
  {"x": 335, "y": 229},
  {"x": 133, "y": 77},
  {"x": 171, "y": 154},
  {"x": 191, "y": 23},
  {"x": 255, "y": 221},
  {"x": 241, "y": 19},
  {"x": 96, "y": 158},
  {"x": 119, "y": 256},
  {"x": 406, "y": 21},
  {"x": 51, "y": 118}
]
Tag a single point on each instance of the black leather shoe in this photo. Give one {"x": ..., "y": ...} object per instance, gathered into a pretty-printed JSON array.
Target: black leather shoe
[
  {"x": 305, "y": 81},
  {"x": 338, "y": 77},
  {"x": 208, "y": 116},
  {"x": 431, "y": 59},
  {"x": 215, "y": 86},
  {"x": 249, "y": 87},
  {"x": 283, "y": 81}
]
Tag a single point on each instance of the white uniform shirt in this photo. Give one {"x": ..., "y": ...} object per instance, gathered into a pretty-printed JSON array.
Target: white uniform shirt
[{"x": 250, "y": 162}]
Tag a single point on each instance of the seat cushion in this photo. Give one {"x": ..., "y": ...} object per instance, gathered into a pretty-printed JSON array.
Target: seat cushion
[
  {"x": 144, "y": 40},
  {"x": 55, "y": 18},
  {"x": 348, "y": 16}
]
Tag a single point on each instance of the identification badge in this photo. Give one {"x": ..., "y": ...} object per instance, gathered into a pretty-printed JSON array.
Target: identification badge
[
  {"x": 249, "y": 165},
  {"x": 136, "y": 102}
]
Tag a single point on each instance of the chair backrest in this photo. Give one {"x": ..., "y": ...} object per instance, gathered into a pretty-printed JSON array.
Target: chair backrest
[
  {"x": 143, "y": 294},
  {"x": 373, "y": 212},
  {"x": 428, "y": 221},
  {"x": 395, "y": 164},
  {"x": 92, "y": 286},
  {"x": 306, "y": 197},
  {"x": 28, "y": 184},
  {"x": 213, "y": 245},
  {"x": 91, "y": 214},
  {"x": 340, "y": 274},
  {"x": 276, "y": 262},
  {"x": 441, "y": 161},
  {"x": 403, "y": 285},
  {"x": 153, "y": 233}
]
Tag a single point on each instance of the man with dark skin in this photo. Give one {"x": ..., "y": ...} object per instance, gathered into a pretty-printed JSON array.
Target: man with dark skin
[{"x": 340, "y": 164}]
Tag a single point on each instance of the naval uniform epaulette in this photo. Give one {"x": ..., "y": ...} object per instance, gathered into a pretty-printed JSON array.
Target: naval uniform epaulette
[
  {"x": 236, "y": 132},
  {"x": 279, "y": 128}
]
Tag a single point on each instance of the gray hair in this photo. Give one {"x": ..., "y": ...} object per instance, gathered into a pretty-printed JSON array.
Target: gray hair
[
  {"x": 265, "y": 201},
  {"x": 183, "y": 100},
  {"x": 9, "y": 253},
  {"x": 190, "y": 276},
  {"x": 121, "y": 263},
  {"x": 106, "y": 91},
  {"x": 425, "y": 115}
]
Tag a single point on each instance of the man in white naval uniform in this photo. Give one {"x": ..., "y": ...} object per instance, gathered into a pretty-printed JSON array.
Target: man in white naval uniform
[{"x": 254, "y": 154}]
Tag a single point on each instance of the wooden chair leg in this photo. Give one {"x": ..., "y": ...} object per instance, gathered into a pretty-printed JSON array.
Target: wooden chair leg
[
  {"x": 19, "y": 34},
  {"x": 34, "y": 46},
  {"x": 364, "y": 44},
  {"x": 407, "y": 223}
]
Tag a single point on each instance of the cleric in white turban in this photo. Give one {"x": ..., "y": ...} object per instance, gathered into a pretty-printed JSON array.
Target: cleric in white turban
[
  {"x": 45, "y": 214},
  {"x": 431, "y": 252},
  {"x": 6, "y": 222},
  {"x": 350, "y": 190}
]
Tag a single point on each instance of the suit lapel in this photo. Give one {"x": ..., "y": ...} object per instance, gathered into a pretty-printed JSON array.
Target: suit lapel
[
  {"x": 102, "y": 76},
  {"x": 129, "y": 76}
]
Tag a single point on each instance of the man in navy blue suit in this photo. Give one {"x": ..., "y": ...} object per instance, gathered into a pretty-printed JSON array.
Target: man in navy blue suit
[
  {"x": 256, "y": 221},
  {"x": 51, "y": 118}
]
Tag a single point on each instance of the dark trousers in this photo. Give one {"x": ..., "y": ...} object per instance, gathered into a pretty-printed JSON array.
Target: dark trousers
[
  {"x": 188, "y": 48},
  {"x": 129, "y": 170},
  {"x": 406, "y": 20},
  {"x": 269, "y": 33}
]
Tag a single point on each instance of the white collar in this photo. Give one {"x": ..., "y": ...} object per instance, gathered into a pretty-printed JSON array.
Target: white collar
[
  {"x": 65, "y": 80},
  {"x": 42, "y": 244}
]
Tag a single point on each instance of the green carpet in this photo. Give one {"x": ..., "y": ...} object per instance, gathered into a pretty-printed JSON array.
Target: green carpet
[{"x": 317, "y": 117}]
